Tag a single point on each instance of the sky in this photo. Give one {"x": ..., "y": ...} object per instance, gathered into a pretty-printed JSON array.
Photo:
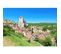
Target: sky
[{"x": 31, "y": 15}]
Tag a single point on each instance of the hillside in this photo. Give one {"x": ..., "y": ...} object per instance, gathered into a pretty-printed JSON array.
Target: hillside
[
  {"x": 16, "y": 39},
  {"x": 10, "y": 38}
]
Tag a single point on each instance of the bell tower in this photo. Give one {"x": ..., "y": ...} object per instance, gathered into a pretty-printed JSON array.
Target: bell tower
[{"x": 20, "y": 22}]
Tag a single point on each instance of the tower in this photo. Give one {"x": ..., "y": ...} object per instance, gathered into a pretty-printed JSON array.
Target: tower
[{"x": 21, "y": 22}]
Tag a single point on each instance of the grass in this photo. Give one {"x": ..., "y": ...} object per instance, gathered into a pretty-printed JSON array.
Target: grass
[
  {"x": 21, "y": 41},
  {"x": 17, "y": 39}
]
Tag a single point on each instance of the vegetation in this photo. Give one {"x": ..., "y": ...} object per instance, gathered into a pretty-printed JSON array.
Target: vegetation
[
  {"x": 46, "y": 42},
  {"x": 19, "y": 40}
]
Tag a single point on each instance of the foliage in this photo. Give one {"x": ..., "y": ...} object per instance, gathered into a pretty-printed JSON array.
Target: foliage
[
  {"x": 7, "y": 30},
  {"x": 17, "y": 38},
  {"x": 20, "y": 40},
  {"x": 44, "y": 29},
  {"x": 46, "y": 42}
]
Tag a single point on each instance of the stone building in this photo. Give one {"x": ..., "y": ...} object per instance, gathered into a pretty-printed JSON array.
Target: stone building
[{"x": 21, "y": 22}]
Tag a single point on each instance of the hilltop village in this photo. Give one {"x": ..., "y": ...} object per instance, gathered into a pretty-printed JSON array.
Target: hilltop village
[{"x": 31, "y": 32}]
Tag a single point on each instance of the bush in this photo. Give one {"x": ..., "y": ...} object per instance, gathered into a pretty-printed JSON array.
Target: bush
[
  {"x": 7, "y": 30},
  {"x": 44, "y": 28},
  {"x": 46, "y": 42}
]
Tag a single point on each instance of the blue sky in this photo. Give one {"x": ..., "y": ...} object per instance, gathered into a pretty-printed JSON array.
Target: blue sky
[{"x": 31, "y": 15}]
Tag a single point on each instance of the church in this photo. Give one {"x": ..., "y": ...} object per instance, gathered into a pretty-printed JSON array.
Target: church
[{"x": 21, "y": 22}]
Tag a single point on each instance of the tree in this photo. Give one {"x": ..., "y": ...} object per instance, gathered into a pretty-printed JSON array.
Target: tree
[
  {"x": 7, "y": 30},
  {"x": 46, "y": 42}
]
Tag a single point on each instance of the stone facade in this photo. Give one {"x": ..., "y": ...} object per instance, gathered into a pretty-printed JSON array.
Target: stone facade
[{"x": 21, "y": 22}]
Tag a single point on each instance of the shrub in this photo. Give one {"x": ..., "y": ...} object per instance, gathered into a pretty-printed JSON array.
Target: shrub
[
  {"x": 46, "y": 42},
  {"x": 7, "y": 30}
]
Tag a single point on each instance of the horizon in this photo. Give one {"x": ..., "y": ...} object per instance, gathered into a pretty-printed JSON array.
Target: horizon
[
  {"x": 31, "y": 15},
  {"x": 31, "y": 22}
]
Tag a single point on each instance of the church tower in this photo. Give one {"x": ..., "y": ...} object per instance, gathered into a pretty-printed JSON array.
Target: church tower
[{"x": 21, "y": 22}]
